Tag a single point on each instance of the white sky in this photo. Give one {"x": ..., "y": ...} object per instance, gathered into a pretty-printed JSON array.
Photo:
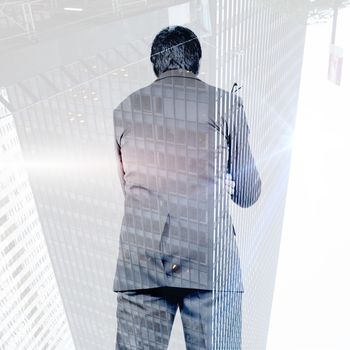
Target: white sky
[{"x": 311, "y": 306}]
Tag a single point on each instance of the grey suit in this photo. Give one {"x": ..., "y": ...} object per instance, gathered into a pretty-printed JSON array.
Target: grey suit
[{"x": 172, "y": 153}]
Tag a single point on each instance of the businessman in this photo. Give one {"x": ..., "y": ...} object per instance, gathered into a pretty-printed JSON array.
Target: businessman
[{"x": 182, "y": 154}]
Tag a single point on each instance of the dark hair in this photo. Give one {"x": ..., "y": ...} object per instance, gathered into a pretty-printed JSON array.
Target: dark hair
[{"x": 175, "y": 47}]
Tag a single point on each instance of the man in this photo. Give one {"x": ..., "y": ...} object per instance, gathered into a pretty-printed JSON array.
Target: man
[{"x": 175, "y": 141}]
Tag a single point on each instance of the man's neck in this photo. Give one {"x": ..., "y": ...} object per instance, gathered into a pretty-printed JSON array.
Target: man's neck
[{"x": 177, "y": 73}]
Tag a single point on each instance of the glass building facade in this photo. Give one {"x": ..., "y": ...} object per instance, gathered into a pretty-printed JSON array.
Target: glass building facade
[
  {"x": 32, "y": 313},
  {"x": 80, "y": 64}
]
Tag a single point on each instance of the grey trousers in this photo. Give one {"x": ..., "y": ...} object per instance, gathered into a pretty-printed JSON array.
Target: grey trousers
[{"x": 211, "y": 320}]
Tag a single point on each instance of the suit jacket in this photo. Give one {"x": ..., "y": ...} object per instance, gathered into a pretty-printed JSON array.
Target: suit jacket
[{"x": 174, "y": 141}]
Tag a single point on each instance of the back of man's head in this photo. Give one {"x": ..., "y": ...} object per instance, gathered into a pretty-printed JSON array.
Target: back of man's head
[{"x": 175, "y": 47}]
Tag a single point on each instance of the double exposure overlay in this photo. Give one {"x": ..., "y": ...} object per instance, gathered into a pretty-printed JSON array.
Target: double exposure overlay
[{"x": 141, "y": 196}]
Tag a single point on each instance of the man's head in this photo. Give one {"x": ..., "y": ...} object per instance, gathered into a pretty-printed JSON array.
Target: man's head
[{"x": 175, "y": 47}]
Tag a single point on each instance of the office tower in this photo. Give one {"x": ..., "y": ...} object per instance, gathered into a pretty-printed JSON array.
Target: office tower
[
  {"x": 79, "y": 65},
  {"x": 259, "y": 45},
  {"x": 32, "y": 315}
]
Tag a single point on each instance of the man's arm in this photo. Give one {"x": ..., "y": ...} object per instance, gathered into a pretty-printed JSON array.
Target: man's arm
[
  {"x": 118, "y": 134},
  {"x": 243, "y": 169}
]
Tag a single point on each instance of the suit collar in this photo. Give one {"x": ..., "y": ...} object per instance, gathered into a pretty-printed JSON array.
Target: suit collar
[{"x": 177, "y": 73}]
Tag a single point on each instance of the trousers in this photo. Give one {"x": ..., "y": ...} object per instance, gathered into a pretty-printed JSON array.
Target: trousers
[{"x": 210, "y": 319}]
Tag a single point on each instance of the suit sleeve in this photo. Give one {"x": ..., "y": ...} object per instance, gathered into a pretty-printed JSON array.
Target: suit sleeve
[
  {"x": 118, "y": 134},
  {"x": 243, "y": 168}
]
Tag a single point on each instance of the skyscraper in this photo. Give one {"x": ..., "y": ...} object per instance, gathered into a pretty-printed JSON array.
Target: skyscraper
[
  {"x": 63, "y": 103},
  {"x": 32, "y": 315}
]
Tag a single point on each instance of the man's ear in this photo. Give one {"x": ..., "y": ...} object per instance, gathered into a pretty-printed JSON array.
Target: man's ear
[{"x": 155, "y": 71}]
